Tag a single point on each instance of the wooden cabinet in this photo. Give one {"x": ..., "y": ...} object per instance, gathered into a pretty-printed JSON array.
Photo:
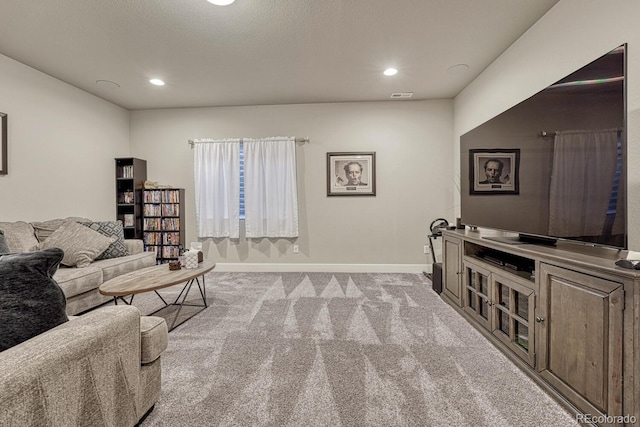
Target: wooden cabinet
[
  {"x": 566, "y": 315},
  {"x": 131, "y": 173},
  {"x": 452, "y": 268},
  {"x": 580, "y": 338},
  {"x": 163, "y": 222},
  {"x": 503, "y": 304}
]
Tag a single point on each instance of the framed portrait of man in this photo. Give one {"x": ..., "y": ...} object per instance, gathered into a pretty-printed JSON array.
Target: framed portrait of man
[
  {"x": 494, "y": 171},
  {"x": 351, "y": 174}
]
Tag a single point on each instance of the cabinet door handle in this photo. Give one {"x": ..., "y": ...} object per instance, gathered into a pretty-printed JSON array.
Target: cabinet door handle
[
  {"x": 539, "y": 319},
  {"x": 459, "y": 272}
]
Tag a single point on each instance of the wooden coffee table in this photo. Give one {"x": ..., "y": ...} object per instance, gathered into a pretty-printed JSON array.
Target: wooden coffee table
[{"x": 158, "y": 277}]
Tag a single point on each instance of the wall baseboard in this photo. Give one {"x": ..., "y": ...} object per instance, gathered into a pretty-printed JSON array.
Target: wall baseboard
[{"x": 323, "y": 268}]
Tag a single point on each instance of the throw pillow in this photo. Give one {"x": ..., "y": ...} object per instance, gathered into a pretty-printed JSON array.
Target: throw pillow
[
  {"x": 81, "y": 245},
  {"x": 4, "y": 248},
  {"x": 44, "y": 229},
  {"x": 20, "y": 236},
  {"x": 31, "y": 302},
  {"x": 110, "y": 229}
]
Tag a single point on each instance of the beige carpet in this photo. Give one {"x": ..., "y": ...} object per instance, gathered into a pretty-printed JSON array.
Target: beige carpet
[{"x": 319, "y": 349}]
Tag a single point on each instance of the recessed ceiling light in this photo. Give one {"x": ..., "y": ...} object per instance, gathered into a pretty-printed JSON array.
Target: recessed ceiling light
[
  {"x": 457, "y": 69},
  {"x": 107, "y": 84},
  {"x": 221, "y": 2},
  {"x": 390, "y": 72},
  {"x": 156, "y": 82}
]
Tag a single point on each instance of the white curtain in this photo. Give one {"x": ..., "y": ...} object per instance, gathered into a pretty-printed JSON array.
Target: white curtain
[
  {"x": 270, "y": 187},
  {"x": 576, "y": 158},
  {"x": 217, "y": 186}
]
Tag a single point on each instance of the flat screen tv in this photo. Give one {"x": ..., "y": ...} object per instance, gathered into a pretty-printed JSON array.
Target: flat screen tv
[{"x": 554, "y": 166}]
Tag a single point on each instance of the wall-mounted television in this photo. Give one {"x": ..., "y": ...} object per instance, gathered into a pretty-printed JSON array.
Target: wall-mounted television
[{"x": 554, "y": 166}]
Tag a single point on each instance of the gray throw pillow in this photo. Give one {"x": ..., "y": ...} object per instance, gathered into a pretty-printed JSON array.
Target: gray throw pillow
[
  {"x": 43, "y": 229},
  {"x": 110, "y": 229},
  {"x": 31, "y": 302},
  {"x": 4, "y": 248},
  {"x": 20, "y": 236},
  {"x": 81, "y": 245}
]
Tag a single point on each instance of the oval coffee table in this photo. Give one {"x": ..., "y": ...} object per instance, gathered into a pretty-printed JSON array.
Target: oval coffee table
[{"x": 158, "y": 277}]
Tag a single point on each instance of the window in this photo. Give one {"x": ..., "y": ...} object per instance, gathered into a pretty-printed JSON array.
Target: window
[{"x": 253, "y": 179}]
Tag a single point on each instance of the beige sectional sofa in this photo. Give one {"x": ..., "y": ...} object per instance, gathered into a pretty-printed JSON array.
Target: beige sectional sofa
[
  {"x": 80, "y": 285},
  {"x": 98, "y": 369}
]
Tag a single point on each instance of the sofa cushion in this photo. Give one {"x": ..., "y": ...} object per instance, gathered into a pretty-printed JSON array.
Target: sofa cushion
[
  {"x": 110, "y": 229},
  {"x": 31, "y": 302},
  {"x": 153, "y": 338},
  {"x": 134, "y": 246},
  {"x": 114, "y": 267},
  {"x": 75, "y": 281},
  {"x": 81, "y": 245},
  {"x": 45, "y": 228},
  {"x": 20, "y": 236},
  {"x": 4, "y": 248}
]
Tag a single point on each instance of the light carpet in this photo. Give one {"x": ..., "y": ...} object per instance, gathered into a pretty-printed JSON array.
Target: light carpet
[{"x": 322, "y": 349}]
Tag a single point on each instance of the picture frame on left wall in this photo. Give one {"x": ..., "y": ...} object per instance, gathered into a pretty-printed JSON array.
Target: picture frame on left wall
[
  {"x": 351, "y": 174},
  {"x": 3, "y": 142}
]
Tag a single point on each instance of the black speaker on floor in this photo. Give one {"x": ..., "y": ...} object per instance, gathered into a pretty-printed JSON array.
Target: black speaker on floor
[{"x": 436, "y": 278}]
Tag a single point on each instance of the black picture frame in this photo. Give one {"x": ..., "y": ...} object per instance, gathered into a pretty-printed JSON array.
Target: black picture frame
[
  {"x": 507, "y": 182},
  {"x": 338, "y": 181},
  {"x": 3, "y": 144}
]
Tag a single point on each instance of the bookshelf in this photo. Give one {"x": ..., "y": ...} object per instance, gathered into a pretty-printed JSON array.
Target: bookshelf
[
  {"x": 131, "y": 173},
  {"x": 163, "y": 222}
]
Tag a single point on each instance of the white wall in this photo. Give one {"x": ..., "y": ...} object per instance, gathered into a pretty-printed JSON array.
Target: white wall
[
  {"x": 61, "y": 142},
  {"x": 570, "y": 35},
  {"x": 414, "y": 177}
]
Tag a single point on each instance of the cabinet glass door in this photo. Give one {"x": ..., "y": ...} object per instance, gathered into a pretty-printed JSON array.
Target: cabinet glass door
[
  {"x": 513, "y": 314},
  {"x": 477, "y": 300}
]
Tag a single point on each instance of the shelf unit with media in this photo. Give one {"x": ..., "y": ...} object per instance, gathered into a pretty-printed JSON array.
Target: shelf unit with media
[
  {"x": 131, "y": 173},
  {"x": 163, "y": 222}
]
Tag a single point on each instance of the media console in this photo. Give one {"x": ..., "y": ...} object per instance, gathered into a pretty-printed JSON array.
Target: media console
[{"x": 565, "y": 314}]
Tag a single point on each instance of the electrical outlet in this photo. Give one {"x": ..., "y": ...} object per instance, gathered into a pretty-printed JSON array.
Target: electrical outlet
[
  {"x": 426, "y": 249},
  {"x": 296, "y": 249}
]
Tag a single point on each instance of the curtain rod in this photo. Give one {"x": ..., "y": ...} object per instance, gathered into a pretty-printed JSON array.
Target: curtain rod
[
  {"x": 545, "y": 134},
  {"x": 193, "y": 141}
]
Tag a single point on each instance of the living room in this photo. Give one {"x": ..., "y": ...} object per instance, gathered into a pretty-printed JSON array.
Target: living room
[
  {"x": 62, "y": 142},
  {"x": 65, "y": 158}
]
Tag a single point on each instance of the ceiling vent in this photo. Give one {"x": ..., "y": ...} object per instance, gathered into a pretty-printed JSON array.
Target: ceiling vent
[{"x": 401, "y": 95}]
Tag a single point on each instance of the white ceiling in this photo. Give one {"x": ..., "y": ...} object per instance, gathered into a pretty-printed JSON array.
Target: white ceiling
[{"x": 262, "y": 51}]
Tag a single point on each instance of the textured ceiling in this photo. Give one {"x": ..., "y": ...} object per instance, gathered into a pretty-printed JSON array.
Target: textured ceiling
[{"x": 262, "y": 51}]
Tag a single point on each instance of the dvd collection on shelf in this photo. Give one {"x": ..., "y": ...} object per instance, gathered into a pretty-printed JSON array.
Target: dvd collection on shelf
[
  {"x": 172, "y": 209},
  {"x": 163, "y": 222},
  {"x": 126, "y": 197},
  {"x": 125, "y": 171},
  {"x": 152, "y": 210},
  {"x": 162, "y": 238},
  {"x": 129, "y": 220},
  {"x": 165, "y": 253}
]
